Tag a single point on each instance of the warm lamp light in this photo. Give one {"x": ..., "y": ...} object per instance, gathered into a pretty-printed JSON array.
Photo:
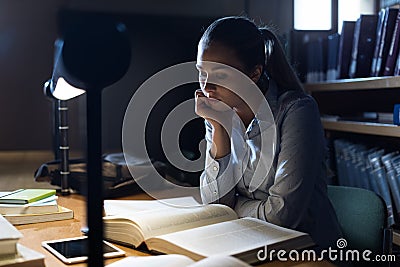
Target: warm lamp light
[{"x": 90, "y": 56}]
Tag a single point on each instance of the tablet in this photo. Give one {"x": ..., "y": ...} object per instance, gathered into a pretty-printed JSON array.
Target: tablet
[{"x": 74, "y": 250}]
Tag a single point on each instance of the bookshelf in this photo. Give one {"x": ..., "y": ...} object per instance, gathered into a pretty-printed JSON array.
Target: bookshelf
[
  {"x": 339, "y": 97},
  {"x": 381, "y": 129},
  {"x": 355, "y": 84},
  {"x": 350, "y": 96}
]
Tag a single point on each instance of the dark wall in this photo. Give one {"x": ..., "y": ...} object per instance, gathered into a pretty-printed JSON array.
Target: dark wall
[
  {"x": 163, "y": 33},
  {"x": 26, "y": 37}
]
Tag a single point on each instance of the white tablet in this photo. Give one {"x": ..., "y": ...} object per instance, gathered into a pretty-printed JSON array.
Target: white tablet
[{"x": 74, "y": 250}]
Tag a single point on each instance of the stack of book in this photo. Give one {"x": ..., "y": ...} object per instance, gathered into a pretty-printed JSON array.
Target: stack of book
[
  {"x": 367, "y": 47},
  {"x": 371, "y": 168},
  {"x": 14, "y": 254},
  {"x": 25, "y": 206}
]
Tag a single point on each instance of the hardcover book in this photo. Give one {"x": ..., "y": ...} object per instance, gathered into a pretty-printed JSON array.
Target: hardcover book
[
  {"x": 363, "y": 46},
  {"x": 393, "y": 49},
  {"x": 345, "y": 47},
  {"x": 9, "y": 237},
  {"x": 25, "y": 257},
  {"x": 24, "y": 196},
  {"x": 213, "y": 230},
  {"x": 61, "y": 214},
  {"x": 45, "y": 205},
  {"x": 378, "y": 38},
  {"x": 383, "y": 45},
  {"x": 333, "y": 49}
]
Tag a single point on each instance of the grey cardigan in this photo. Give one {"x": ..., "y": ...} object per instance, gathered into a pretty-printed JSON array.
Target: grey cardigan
[{"x": 294, "y": 192}]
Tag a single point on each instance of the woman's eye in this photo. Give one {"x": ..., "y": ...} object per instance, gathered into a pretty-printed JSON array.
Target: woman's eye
[{"x": 220, "y": 75}]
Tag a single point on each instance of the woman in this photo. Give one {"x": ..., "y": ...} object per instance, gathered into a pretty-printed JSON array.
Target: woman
[{"x": 293, "y": 191}]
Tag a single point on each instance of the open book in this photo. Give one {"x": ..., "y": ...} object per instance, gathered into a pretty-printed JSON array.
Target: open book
[{"x": 197, "y": 232}]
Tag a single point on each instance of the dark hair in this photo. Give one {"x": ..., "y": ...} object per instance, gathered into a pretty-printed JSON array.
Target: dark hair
[{"x": 251, "y": 47}]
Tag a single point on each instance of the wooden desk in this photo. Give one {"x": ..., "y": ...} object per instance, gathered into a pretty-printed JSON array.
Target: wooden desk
[{"x": 34, "y": 234}]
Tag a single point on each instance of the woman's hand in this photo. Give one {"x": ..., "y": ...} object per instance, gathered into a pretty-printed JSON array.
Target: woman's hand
[
  {"x": 220, "y": 116},
  {"x": 213, "y": 110}
]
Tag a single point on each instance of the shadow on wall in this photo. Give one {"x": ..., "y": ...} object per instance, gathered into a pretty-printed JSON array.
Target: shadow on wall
[{"x": 157, "y": 42}]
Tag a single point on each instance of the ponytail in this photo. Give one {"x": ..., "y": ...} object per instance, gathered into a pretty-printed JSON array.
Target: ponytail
[{"x": 277, "y": 66}]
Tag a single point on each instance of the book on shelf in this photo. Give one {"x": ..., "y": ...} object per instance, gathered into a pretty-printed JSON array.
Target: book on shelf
[
  {"x": 213, "y": 229},
  {"x": 378, "y": 37},
  {"x": 393, "y": 50},
  {"x": 375, "y": 117},
  {"x": 332, "y": 61},
  {"x": 315, "y": 61},
  {"x": 363, "y": 46},
  {"x": 61, "y": 214},
  {"x": 9, "y": 237},
  {"x": 382, "y": 45},
  {"x": 369, "y": 168},
  {"x": 25, "y": 196},
  {"x": 45, "y": 205},
  {"x": 345, "y": 48},
  {"x": 177, "y": 260},
  {"x": 25, "y": 257},
  {"x": 392, "y": 179}
]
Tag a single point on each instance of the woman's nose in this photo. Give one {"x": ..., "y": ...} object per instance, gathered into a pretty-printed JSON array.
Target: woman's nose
[
  {"x": 210, "y": 87},
  {"x": 207, "y": 89}
]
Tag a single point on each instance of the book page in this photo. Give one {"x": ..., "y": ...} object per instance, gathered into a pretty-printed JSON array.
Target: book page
[
  {"x": 227, "y": 238},
  {"x": 122, "y": 207},
  {"x": 169, "y": 219}
]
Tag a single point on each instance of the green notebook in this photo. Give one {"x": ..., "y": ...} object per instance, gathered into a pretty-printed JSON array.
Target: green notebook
[{"x": 24, "y": 196}]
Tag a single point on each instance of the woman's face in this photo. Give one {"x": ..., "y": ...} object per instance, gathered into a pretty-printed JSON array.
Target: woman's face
[{"x": 208, "y": 73}]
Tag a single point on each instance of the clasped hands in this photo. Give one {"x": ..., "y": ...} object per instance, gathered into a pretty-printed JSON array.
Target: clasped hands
[{"x": 214, "y": 111}]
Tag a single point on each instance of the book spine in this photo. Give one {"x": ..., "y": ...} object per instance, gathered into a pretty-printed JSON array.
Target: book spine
[
  {"x": 388, "y": 28},
  {"x": 380, "y": 23},
  {"x": 340, "y": 162},
  {"x": 365, "y": 46},
  {"x": 379, "y": 176},
  {"x": 333, "y": 47},
  {"x": 393, "y": 50},
  {"x": 394, "y": 188},
  {"x": 345, "y": 49},
  {"x": 315, "y": 71},
  {"x": 354, "y": 51}
]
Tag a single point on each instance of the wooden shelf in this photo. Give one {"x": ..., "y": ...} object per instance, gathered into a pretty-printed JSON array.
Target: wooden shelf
[
  {"x": 355, "y": 84},
  {"x": 362, "y": 127}
]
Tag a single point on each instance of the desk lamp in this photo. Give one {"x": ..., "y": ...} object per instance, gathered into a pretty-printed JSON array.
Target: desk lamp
[
  {"x": 90, "y": 56},
  {"x": 60, "y": 136}
]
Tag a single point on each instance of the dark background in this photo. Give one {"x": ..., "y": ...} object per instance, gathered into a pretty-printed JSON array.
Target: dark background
[{"x": 163, "y": 33}]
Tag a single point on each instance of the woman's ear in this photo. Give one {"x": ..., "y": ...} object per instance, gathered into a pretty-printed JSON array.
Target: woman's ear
[{"x": 256, "y": 73}]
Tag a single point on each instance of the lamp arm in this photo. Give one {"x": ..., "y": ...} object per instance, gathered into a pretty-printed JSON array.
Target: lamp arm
[{"x": 63, "y": 146}]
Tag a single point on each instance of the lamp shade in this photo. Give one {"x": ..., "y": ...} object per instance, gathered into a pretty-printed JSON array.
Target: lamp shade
[{"x": 89, "y": 56}]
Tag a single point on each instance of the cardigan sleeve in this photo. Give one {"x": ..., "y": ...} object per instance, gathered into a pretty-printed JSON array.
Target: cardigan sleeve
[{"x": 299, "y": 162}]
